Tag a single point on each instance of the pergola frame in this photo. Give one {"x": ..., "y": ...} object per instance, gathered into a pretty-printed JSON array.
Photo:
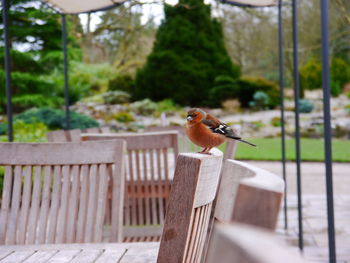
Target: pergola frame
[{"x": 326, "y": 102}]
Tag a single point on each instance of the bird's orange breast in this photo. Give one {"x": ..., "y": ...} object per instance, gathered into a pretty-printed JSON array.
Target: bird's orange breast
[{"x": 202, "y": 136}]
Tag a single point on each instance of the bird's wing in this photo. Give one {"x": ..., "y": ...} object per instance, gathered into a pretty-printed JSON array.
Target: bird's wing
[{"x": 219, "y": 127}]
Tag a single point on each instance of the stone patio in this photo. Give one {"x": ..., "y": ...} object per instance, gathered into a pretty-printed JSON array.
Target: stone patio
[{"x": 315, "y": 209}]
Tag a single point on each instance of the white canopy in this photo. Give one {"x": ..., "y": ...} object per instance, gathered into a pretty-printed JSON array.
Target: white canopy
[{"x": 76, "y": 6}]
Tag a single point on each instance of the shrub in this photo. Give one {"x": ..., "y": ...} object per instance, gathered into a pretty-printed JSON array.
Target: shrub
[
  {"x": 124, "y": 117},
  {"x": 260, "y": 100},
  {"x": 305, "y": 106},
  {"x": 311, "y": 75},
  {"x": 224, "y": 88},
  {"x": 144, "y": 107},
  {"x": 55, "y": 118},
  {"x": 188, "y": 54},
  {"x": 122, "y": 82},
  {"x": 231, "y": 105},
  {"x": 248, "y": 86},
  {"x": 115, "y": 97},
  {"x": 276, "y": 122},
  {"x": 167, "y": 105},
  {"x": 28, "y": 132}
]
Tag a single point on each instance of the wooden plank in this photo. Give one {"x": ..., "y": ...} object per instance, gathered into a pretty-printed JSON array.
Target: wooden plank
[
  {"x": 136, "y": 141},
  {"x": 5, "y": 203},
  {"x": 83, "y": 203},
  {"x": 132, "y": 184},
  {"x": 192, "y": 173},
  {"x": 23, "y": 217},
  {"x": 57, "y": 136},
  {"x": 56, "y": 192},
  {"x": 64, "y": 256},
  {"x": 91, "y": 207},
  {"x": 15, "y": 202},
  {"x": 231, "y": 147},
  {"x": 62, "y": 213},
  {"x": 74, "y": 135},
  {"x": 140, "y": 255},
  {"x": 155, "y": 220},
  {"x": 146, "y": 189},
  {"x": 59, "y": 153},
  {"x": 34, "y": 209},
  {"x": 40, "y": 256},
  {"x": 234, "y": 243},
  {"x": 161, "y": 211},
  {"x": 87, "y": 256},
  {"x": 101, "y": 202},
  {"x": 73, "y": 204},
  {"x": 140, "y": 206},
  {"x": 118, "y": 181},
  {"x": 258, "y": 207},
  {"x": 17, "y": 256},
  {"x": 4, "y": 254},
  {"x": 111, "y": 255},
  {"x": 45, "y": 203}
]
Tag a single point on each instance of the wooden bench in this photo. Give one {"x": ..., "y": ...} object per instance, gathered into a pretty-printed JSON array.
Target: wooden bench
[
  {"x": 73, "y": 135},
  {"x": 149, "y": 159},
  {"x": 233, "y": 243},
  {"x": 248, "y": 194},
  {"x": 57, "y": 192}
]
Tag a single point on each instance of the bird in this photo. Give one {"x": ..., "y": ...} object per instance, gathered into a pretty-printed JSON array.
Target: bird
[{"x": 206, "y": 131}]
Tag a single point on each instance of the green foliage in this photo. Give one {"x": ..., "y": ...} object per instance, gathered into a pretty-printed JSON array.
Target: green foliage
[
  {"x": 276, "y": 122},
  {"x": 122, "y": 82},
  {"x": 55, "y": 118},
  {"x": 167, "y": 105},
  {"x": 144, "y": 107},
  {"x": 260, "y": 101},
  {"x": 248, "y": 86},
  {"x": 305, "y": 106},
  {"x": 189, "y": 53},
  {"x": 224, "y": 88},
  {"x": 311, "y": 75},
  {"x": 28, "y": 132},
  {"x": 35, "y": 38},
  {"x": 124, "y": 117},
  {"x": 115, "y": 97}
]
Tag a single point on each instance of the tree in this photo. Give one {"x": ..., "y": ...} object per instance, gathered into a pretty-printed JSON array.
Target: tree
[
  {"x": 36, "y": 50},
  {"x": 188, "y": 54}
]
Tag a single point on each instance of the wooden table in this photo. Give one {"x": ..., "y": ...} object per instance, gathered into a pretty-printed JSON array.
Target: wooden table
[{"x": 100, "y": 253}]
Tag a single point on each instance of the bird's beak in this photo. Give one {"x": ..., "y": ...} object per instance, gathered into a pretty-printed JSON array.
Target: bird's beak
[{"x": 189, "y": 118}]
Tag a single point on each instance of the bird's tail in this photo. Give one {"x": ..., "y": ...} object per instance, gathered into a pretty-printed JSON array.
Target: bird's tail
[{"x": 252, "y": 144}]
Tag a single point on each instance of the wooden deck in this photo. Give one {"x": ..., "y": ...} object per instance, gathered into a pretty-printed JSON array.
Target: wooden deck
[{"x": 86, "y": 253}]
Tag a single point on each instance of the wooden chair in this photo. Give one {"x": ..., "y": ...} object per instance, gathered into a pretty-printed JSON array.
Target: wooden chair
[
  {"x": 248, "y": 194},
  {"x": 193, "y": 191},
  {"x": 56, "y": 192},
  {"x": 64, "y": 136},
  {"x": 149, "y": 161},
  {"x": 232, "y": 243},
  {"x": 73, "y": 135}
]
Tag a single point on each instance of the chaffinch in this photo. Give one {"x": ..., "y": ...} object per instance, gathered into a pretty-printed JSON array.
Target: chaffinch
[{"x": 204, "y": 130}]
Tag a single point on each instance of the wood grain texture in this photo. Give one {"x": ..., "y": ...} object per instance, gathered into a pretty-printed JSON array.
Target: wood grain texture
[
  {"x": 148, "y": 160},
  {"x": 60, "y": 203},
  {"x": 195, "y": 175},
  {"x": 64, "y": 136},
  {"x": 52, "y": 153},
  {"x": 234, "y": 243},
  {"x": 249, "y": 195}
]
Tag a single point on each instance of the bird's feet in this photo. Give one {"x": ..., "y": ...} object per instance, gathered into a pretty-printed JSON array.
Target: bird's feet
[{"x": 205, "y": 151}]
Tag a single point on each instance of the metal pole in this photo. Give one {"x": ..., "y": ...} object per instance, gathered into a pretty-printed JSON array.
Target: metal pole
[
  {"x": 297, "y": 128},
  {"x": 66, "y": 80},
  {"x": 7, "y": 64},
  {"x": 283, "y": 132},
  {"x": 327, "y": 129}
]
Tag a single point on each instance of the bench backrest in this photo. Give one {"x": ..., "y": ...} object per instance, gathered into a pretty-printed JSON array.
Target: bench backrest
[
  {"x": 246, "y": 244},
  {"x": 56, "y": 192},
  {"x": 193, "y": 191},
  {"x": 248, "y": 194},
  {"x": 64, "y": 136},
  {"x": 150, "y": 161}
]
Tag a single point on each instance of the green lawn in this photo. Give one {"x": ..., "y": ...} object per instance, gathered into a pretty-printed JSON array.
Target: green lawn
[{"x": 311, "y": 150}]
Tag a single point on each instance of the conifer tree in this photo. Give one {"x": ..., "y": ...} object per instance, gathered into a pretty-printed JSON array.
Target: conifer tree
[{"x": 188, "y": 54}]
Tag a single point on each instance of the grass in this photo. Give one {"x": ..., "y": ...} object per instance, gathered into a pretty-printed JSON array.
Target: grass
[{"x": 311, "y": 150}]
